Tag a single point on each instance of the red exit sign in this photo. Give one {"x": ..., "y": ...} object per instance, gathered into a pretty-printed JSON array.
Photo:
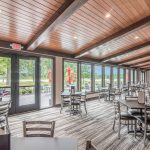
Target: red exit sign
[{"x": 16, "y": 46}]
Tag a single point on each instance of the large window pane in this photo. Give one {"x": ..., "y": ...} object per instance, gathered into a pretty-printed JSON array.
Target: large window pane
[
  {"x": 107, "y": 76},
  {"x": 135, "y": 76},
  {"x": 142, "y": 76},
  {"x": 5, "y": 78},
  {"x": 121, "y": 76},
  {"x": 70, "y": 74},
  {"x": 131, "y": 76},
  {"x": 98, "y": 77},
  {"x": 127, "y": 76},
  {"x": 46, "y": 82},
  {"x": 26, "y": 81},
  {"x": 115, "y": 76},
  {"x": 85, "y": 77}
]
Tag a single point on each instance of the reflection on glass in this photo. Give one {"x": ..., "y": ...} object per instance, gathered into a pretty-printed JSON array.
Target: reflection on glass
[
  {"x": 70, "y": 75},
  {"x": 121, "y": 76},
  {"x": 46, "y": 82},
  {"x": 135, "y": 76},
  {"x": 127, "y": 76},
  {"x": 142, "y": 76},
  {"x": 131, "y": 76},
  {"x": 98, "y": 77},
  {"x": 115, "y": 76},
  {"x": 85, "y": 77},
  {"x": 26, "y": 81},
  {"x": 107, "y": 76},
  {"x": 5, "y": 78}
]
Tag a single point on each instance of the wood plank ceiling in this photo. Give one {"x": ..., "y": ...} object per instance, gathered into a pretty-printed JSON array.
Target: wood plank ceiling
[
  {"x": 20, "y": 20},
  {"x": 116, "y": 31}
]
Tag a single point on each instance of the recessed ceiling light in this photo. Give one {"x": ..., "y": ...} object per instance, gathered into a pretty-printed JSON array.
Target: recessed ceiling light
[
  {"x": 75, "y": 37},
  {"x": 108, "y": 15},
  {"x": 136, "y": 37},
  {"x": 0, "y": 11}
]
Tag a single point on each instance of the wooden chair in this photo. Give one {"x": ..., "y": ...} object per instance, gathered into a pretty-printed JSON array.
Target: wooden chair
[
  {"x": 4, "y": 109},
  {"x": 90, "y": 146},
  {"x": 31, "y": 127}
]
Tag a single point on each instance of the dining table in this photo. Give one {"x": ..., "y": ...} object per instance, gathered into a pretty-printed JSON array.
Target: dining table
[
  {"x": 132, "y": 104},
  {"x": 43, "y": 143},
  {"x": 67, "y": 93}
]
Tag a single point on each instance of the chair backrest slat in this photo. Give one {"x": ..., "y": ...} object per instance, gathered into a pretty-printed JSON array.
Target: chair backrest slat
[
  {"x": 32, "y": 126},
  {"x": 4, "y": 108}
]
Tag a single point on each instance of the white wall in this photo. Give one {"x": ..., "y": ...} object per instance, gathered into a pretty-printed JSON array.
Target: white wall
[
  {"x": 58, "y": 78},
  {"x": 148, "y": 76}
]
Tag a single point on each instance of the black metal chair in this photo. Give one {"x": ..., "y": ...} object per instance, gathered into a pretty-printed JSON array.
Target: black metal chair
[
  {"x": 144, "y": 122},
  {"x": 65, "y": 101},
  {"x": 103, "y": 94},
  {"x": 122, "y": 117},
  {"x": 75, "y": 104},
  {"x": 83, "y": 101}
]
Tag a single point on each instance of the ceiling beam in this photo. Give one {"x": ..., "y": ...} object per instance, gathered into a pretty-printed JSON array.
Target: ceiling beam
[
  {"x": 132, "y": 28},
  {"x": 148, "y": 69},
  {"x": 133, "y": 49},
  {"x": 59, "y": 17},
  {"x": 134, "y": 58},
  {"x": 146, "y": 66},
  {"x": 143, "y": 65},
  {"x": 5, "y": 47},
  {"x": 140, "y": 62}
]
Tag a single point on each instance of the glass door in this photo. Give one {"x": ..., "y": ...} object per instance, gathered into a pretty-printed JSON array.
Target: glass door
[
  {"x": 5, "y": 78},
  {"x": 27, "y": 97},
  {"x": 46, "y": 82}
]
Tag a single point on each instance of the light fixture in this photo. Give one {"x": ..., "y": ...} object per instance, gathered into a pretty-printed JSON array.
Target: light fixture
[
  {"x": 136, "y": 37},
  {"x": 75, "y": 37},
  {"x": 108, "y": 15},
  {"x": 0, "y": 11}
]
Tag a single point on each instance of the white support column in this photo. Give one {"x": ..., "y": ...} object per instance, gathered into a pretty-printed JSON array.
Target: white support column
[{"x": 58, "y": 79}]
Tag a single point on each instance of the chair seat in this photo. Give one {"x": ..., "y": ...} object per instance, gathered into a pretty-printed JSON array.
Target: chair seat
[
  {"x": 75, "y": 102},
  {"x": 66, "y": 100},
  {"x": 135, "y": 112},
  {"x": 126, "y": 116},
  {"x": 82, "y": 100},
  {"x": 142, "y": 119}
]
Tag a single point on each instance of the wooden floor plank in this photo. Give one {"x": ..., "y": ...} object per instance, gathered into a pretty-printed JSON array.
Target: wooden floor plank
[{"x": 96, "y": 126}]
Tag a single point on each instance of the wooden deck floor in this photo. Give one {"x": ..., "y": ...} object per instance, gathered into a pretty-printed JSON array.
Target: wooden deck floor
[{"x": 96, "y": 126}]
